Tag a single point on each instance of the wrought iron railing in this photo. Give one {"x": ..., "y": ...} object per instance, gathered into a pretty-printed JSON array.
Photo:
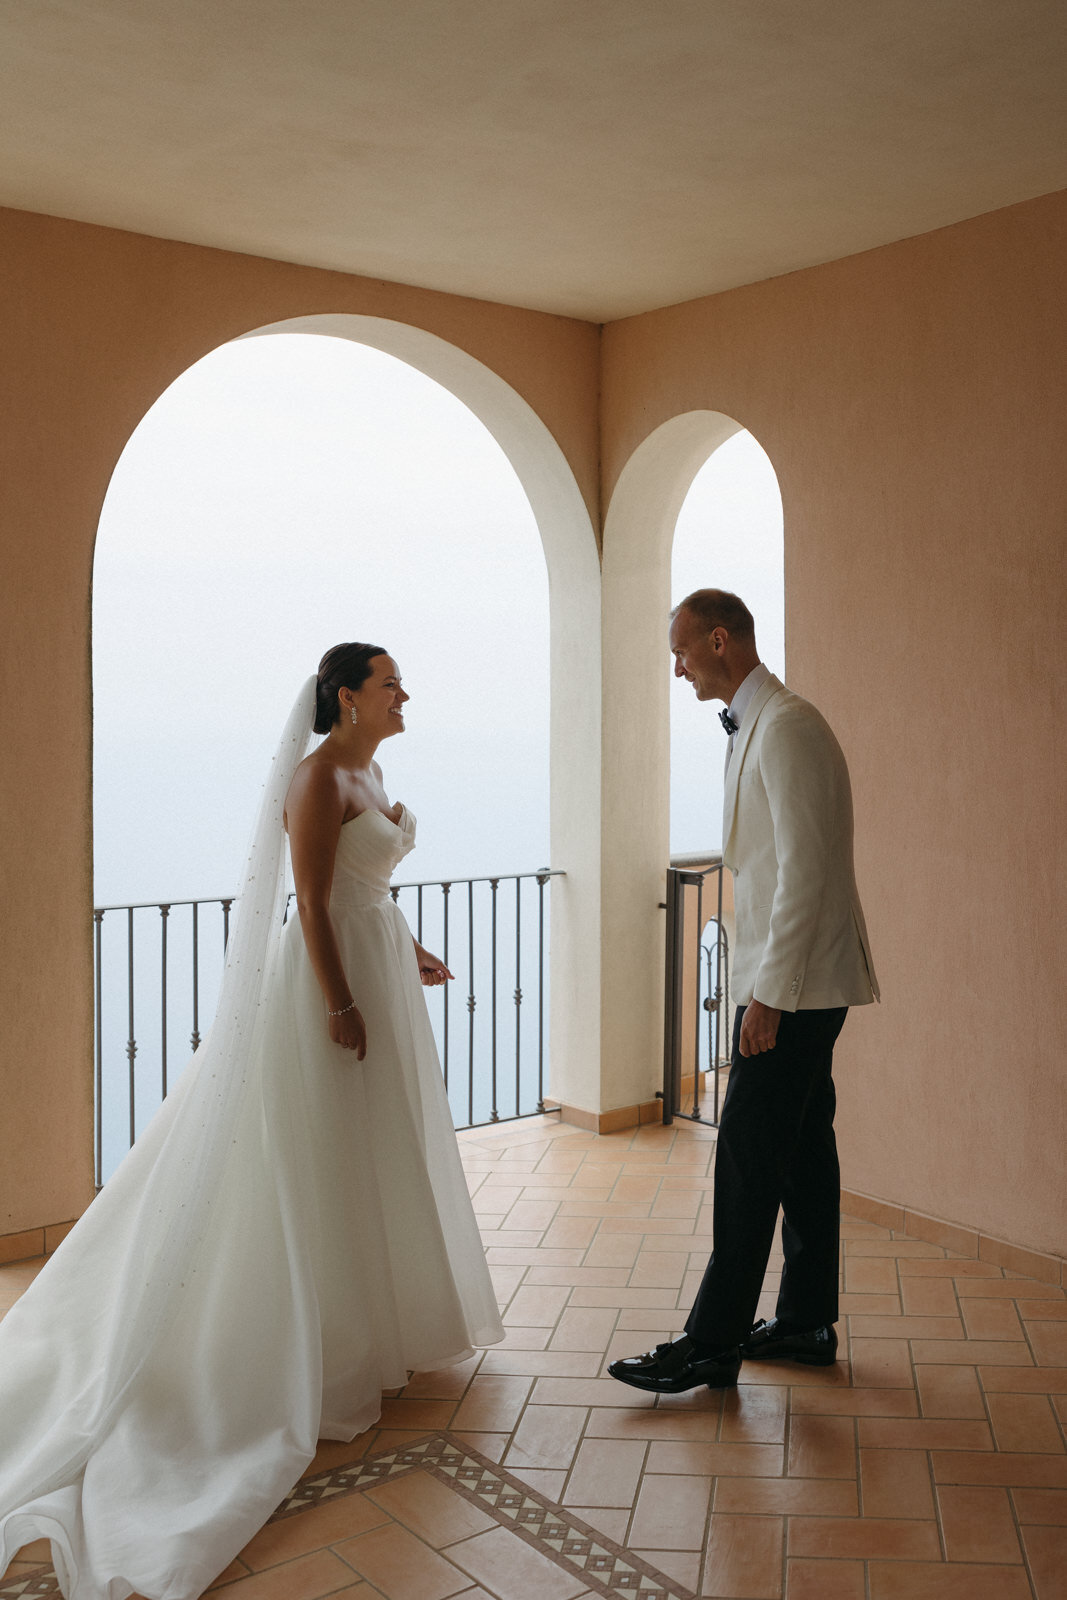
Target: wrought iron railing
[
  {"x": 158, "y": 967},
  {"x": 696, "y": 1030}
]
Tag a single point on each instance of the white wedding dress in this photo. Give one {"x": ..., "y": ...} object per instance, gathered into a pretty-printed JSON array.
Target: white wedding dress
[{"x": 290, "y": 1236}]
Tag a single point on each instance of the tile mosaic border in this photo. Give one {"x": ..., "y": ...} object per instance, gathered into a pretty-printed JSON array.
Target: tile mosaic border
[{"x": 602, "y": 1565}]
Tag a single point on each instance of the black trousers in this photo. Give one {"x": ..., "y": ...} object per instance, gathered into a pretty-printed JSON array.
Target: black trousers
[{"x": 776, "y": 1147}]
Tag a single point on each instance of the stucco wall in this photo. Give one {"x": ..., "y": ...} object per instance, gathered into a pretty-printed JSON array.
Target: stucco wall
[
  {"x": 94, "y": 324},
  {"x": 913, "y": 401}
]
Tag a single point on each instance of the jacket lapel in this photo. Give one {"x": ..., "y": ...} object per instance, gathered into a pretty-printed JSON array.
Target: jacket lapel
[{"x": 769, "y": 687}]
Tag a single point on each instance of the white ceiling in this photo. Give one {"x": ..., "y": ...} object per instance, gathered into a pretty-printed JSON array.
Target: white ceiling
[{"x": 591, "y": 157}]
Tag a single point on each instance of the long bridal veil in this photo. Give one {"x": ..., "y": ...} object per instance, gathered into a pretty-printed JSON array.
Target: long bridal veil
[{"x": 169, "y": 1332}]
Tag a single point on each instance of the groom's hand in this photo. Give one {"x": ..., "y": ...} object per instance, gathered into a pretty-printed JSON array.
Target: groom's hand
[{"x": 759, "y": 1028}]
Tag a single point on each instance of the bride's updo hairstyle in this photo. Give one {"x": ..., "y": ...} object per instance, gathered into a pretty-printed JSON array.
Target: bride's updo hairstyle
[{"x": 346, "y": 666}]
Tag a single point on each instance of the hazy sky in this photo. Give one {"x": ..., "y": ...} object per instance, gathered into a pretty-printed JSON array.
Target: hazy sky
[{"x": 290, "y": 492}]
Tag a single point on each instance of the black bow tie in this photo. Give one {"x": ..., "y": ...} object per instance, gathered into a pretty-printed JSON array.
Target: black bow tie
[{"x": 728, "y": 722}]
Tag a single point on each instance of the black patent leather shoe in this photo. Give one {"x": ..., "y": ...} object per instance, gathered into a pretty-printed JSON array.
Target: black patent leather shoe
[
  {"x": 673, "y": 1367},
  {"x": 769, "y": 1342}
]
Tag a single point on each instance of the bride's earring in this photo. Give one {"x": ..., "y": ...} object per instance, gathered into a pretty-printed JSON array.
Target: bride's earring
[{"x": 355, "y": 719}]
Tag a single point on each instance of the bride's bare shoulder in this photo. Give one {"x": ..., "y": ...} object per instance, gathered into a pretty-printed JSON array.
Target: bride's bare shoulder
[{"x": 317, "y": 782}]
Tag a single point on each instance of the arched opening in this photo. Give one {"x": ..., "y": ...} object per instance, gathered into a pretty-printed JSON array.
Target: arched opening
[
  {"x": 638, "y": 539},
  {"x": 728, "y": 535},
  {"x": 242, "y": 635}
]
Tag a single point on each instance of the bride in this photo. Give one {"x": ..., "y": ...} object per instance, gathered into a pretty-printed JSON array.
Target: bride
[{"x": 292, "y": 1233}]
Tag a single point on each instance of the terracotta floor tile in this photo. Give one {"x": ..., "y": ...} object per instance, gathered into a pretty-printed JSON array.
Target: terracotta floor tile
[
  {"x": 606, "y": 1473},
  {"x": 1046, "y": 1552},
  {"x": 950, "y": 1392},
  {"x": 547, "y": 1436},
  {"x": 493, "y": 1403},
  {"x": 582, "y": 1205},
  {"x": 901, "y": 1250},
  {"x": 535, "y": 1307},
  {"x": 707, "y": 1460},
  {"x": 578, "y": 1277},
  {"x": 542, "y": 1363},
  {"x": 495, "y": 1199},
  {"x": 310, "y": 1577},
  {"x": 893, "y": 1433},
  {"x": 990, "y": 1318},
  {"x": 1017, "y": 1469},
  {"x": 788, "y": 1497},
  {"x": 675, "y": 1203},
  {"x": 660, "y": 1269},
  {"x": 880, "y": 1363},
  {"x": 907, "y": 1580},
  {"x": 586, "y": 1392},
  {"x": 428, "y": 1508},
  {"x": 695, "y": 1426},
  {"x": 977, "y": 1524},
  {"x": 312, "y": 1529},
  {"x": 548, "y": 1481},
  {"x": 571, "y": 1231},
  {"x": 613, "y": 1250},
  {"x": 416, "y": 1414},
  {"x": 905, "y": 1327},
  {"x": 949, "y": 1267},
  {"x": 636, "y": 1186},
  {"x": 668, "y": 1226},
  {"x": 744, "y": 1558},
  {"x": 1042, "y": 1310},
  {"x": 896, "y": 1483},
  {"x": 626, "y": 1298},
  {"x": 646, "y": 1320},
  {"x": 530, "y": 1214},
  {"x": 1041, "y": 1505},
  {"x": 520, "y": 1338},
  {"x": 929, "y": 1297},
  {"x": 825, "y": 1580},
  {"x": 1023, "y": 1380},
  {"x": 447, "y": 1383},
  {"x": 531, "y": 1256},
  {"x": 822, "y": 1447},
  {"x": 886, "y": 1305},
  {"x": 1024, "y": 1422},
  {"x": 583, "y": 1329},
  {"x": 871, "y": 1275},
  {"x": 399, "y": 1438},
  {"x": 671, "y": 1512},
  {"x": 1009, "y": 1288},
  {"x": 970, "y": 1352},
  {"x": 1048, "y": 1341},
  {"x": 754, "y": 1413},
  {"x": 864, "y": 1538},
  {"x": 35, "y": 1553},
  {"x": 854, "y": 1402},
  {"x": 400, "y": 1566},
  {"x": 681, "y": 1565},
  {"x": 610, "y": 1520},
  {"x": 512, "y": 1570}
]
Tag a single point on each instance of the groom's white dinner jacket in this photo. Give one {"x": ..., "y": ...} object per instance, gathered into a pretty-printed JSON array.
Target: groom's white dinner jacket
[{"x": 800, "y": 942}]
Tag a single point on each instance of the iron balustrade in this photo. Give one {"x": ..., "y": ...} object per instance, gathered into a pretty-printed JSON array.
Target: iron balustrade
[
  {"x": 696, "y": 1031},
  {"x": 159, "y": 964}
]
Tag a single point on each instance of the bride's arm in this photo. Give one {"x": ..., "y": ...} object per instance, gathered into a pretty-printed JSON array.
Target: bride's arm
[{"x": 314, "y": 810}]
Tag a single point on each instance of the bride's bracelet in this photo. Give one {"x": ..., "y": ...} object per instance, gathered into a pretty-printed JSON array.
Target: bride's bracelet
[{"x": 351, "y": 1006}]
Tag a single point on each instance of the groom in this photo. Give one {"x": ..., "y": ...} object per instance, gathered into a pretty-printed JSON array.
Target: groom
[{"x": 801, "y": 958}]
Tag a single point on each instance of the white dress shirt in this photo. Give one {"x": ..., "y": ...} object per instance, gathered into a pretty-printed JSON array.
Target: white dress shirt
[{"x": 741, "y": 701}]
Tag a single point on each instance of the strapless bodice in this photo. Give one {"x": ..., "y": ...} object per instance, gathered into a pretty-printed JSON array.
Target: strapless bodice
[{"x": 370, "y": 848}]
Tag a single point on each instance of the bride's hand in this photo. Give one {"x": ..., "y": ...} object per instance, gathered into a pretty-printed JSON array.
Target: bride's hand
[
  {"x": 350, "y": 1031},
  {"x": 431, "y": 970}
]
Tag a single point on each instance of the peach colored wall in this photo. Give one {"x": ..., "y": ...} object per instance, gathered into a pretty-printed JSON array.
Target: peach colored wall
[
  {"x": 94, "y": 324},
  {"x": 913, "y": 402}
]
